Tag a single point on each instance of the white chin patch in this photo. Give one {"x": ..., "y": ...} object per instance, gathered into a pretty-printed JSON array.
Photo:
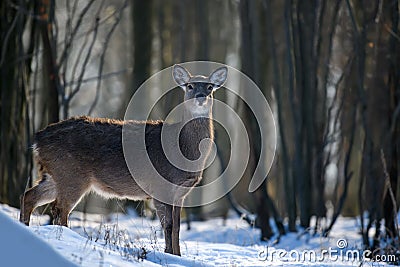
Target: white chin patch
[{"x": 200, "y": 110}]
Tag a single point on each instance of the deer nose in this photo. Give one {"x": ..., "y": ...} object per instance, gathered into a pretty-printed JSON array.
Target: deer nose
[{"x": 201, "y": 98}]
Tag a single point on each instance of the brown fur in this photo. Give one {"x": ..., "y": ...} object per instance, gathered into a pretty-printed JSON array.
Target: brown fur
[{"x": 81, "y": 154}]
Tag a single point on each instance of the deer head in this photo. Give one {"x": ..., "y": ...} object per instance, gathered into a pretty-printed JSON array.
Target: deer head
[{"x": 199, "y": 89}]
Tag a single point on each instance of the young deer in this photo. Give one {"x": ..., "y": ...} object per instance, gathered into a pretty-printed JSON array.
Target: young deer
[{"x": 85, "y": 154}]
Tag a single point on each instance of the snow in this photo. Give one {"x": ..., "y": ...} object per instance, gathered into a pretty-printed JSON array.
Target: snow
[
  {"x": 21, "y": 247},
  {"x": 128, "y": 240}
]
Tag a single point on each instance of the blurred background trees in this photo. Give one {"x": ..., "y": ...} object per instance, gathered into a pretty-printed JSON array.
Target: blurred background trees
[{"x": 329, "y": 69}]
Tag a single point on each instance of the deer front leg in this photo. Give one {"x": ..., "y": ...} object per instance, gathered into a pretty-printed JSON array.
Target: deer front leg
[
  {"x": 60, "y": 216},
  {"x": 164, "y": 213},
  {"x": 176, "y": 224}
]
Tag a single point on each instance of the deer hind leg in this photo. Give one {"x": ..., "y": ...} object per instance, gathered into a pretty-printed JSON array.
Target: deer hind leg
[
  {"x": 164, "y": 213},
  {"x": 176, "y": 224},
  {"x": 41, "y": 194}
]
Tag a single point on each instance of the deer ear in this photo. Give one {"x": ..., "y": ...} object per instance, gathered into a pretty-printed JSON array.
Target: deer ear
[
  {"x": 218, "y": 77},
  {"x": 181, "y": 75}
]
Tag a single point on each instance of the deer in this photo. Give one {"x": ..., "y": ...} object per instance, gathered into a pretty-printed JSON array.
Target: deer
[{"x": 85, "y": 154}]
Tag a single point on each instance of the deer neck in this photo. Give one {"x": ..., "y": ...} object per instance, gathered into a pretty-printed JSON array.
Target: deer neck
[{"x": 193, "y": 131}]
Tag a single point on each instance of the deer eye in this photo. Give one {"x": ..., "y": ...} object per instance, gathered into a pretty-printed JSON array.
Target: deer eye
[
  {"x": 190, "y": 87},
  {"x": 210, "y": 87}
]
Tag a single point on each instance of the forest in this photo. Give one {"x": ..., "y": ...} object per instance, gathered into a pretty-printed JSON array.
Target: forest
[{"x": 330, "y": 71}]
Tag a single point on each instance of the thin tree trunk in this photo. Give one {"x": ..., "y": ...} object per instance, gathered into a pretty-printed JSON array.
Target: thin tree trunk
[
  {"x": 250, "y": 62},
  {"x": 288, "y": 178},
  {"x": 142, "y": 39},
  {"x": 50, "y": 69}
]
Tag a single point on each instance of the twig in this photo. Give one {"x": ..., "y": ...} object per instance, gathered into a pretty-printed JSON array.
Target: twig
[
  {"x": 5, "y": 43},
  {"x": 77, "y": 61},
  {"x": 392, "y": 32},
  {"x": 103, "y": 76},
  {"x": 388, "y": 188},
  {"x": 347, "y": 174},
  {"x": 76, "y": 64},
  {"x": 85, "y": 62},
  {"x": 103, "y": 55},
  {"x": 74, "y": 32},
  {"x": 327, "y": 136},
  {"x": 68, "y": 30}
]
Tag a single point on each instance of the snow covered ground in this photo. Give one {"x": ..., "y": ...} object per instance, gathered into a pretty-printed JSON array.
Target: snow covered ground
[{"x": 127, "y": 240}]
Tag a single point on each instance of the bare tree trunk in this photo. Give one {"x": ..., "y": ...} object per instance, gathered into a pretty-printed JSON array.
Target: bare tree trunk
[
  {"x": 250, "y": 62},
  {"x": 287, "y": 175},
  {"x": 202, "y": 53},
  {"x": 377, "y": 91},
  {"x": 389, "y": 208},
  {"x": 142, "y": 38},
  {"x": 50, "y": 70},
  {"x": 15, "y": 130}
]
